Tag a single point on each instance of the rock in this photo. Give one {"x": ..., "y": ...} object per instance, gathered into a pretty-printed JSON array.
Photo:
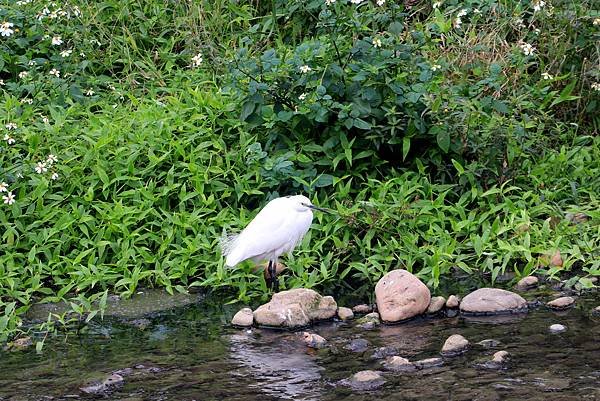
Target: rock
[
  {"x": 345, "y": 313},
  {"x": 357, "y": 345},
  {"x": 243, "y": 318},
  {"x": 369, "y": 321},
  {"x": 295, "y": 308},
  {"x": 557, "y": 328},
  {"x": 489, "y": 343},
  {"x": 384, "y": 352},
  {"x": 556, "y": 259},
  {"x": 561, "y": 303},
  {"x": 365, "y": 380},
  {"x": 576, "y": 218},
  {"x": 314, "y": 340},
  {"x": 362, "y": 309},
  {"x": 452, "y": 302},
  {"x": 596, "y": 311},
  {"x": 22, "y": 343},
  {"x": 436, "y": 304},
  {"x": 141, "y": 324},
  {"x": 454, "y": 345},
  {"x": 527, "y": 282},
  {"x": 398, "y": 364},
  {"x": 401, "y": 295},
  {"x": 429, "y": 363},
  {"x": 492, "y": 301},
  {"x": 110, "y": 383},
  {"x": 500, "y": 357}
]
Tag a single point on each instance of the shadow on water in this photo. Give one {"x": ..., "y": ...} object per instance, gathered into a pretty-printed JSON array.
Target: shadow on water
[{"x": 190, "y": 353}]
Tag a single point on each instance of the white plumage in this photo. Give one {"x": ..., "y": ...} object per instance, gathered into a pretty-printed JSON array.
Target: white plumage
[{"x": 275, "y": 230}]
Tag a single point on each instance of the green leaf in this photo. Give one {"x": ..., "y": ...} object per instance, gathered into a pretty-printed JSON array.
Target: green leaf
[
  {"x": 443, "y": 140},
  {"x": 247, "y": 110}
]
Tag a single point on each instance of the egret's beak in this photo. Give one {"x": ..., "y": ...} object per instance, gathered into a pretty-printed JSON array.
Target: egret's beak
[{"x": 320, "y": 209}]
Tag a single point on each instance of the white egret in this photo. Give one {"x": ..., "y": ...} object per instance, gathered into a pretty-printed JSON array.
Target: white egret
[{"x": 275, "y": 230}]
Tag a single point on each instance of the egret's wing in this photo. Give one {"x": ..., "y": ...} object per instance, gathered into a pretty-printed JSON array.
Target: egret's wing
[{"x": 270, "y": 230}]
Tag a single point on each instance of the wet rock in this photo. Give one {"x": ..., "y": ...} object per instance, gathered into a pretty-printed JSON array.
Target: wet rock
[
  {"x": 365, "y": 380},
  {"x": 313, "y": 340},
  {"x": 500, "y": 357},
  {"x": 141, "y": 324},
  {"x": 384, "y": 352},
  {"x": 21, "y": 343},
  {"x": 345, "y": 313},
  {"x": 357, "y": 345},
  {"x": 295, "y": 308},
  {"x": 362, "y": 309},
  {"x": 369, "y": 321},
  {"x": 596, "y": 311},
  {"x": 401, "y": 295},
  {"x": 436, "y": 304},
  {"x": 527, "y": 283},
  {"x": 454, "y": 345},
  {"x": 557, "y": 328},
  {"x": 576, "y": 218},
  {"x": 556, "y": 259},
  {"x": 452, "y": 302},
  {"x": 107, "y": 385},
  {"x": 451, "y": 312},
  {"x": 398, "y": 364},
  {"x": 243, "y": 318},
  {"x": 492, "y": 301},
  {"x": 489, "y": 343},
  {"x": 561, "y": 303},
  {"x": 429, "y": 363}
]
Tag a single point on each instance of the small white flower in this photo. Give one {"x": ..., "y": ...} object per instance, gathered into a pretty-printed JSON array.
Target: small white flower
[
  {"x": 304, "y": 69},
  {"x": 596, "y": 21},
  {"x": 435, "y": 67},
  {"x": 538, "y": 5},
  {"x": 111, "y": 87},
  {"x": 376, "y": 42},
  {"x": 197, "y": 60},
  {"x": 31, "y": 63},
  {"x": 66, "y": 53},
  {"x": 10, "y": 140},
  {"x": 457, "y": 22},
  {"x": 82, "y": 54},
  {"x": 3, "y": 187},
  {"x": 57, "y": 41},
  {"x": 9, "y": 198},
  {"x": 437, "y": 4},
  {"x": 41, "y": 168},
  {"x": 55, "y": 72},
  {"x": 356, "y": 1},
  {"x": 45, "y": 120},
  {"x": 519, "y": 22},
  {"x": 28, "y": 101},
  {"x": 46, "y": 37},
  {"x": 2, "y": 82},
  {"x": 11, "y": 126},
  {"x": 6, "y": 29},
  {"x": 596, "y": 86},
  {"x": 462, "y": 13},
  {"x": 329, "y": 2},
  {"x": 537, "y": 31},
  {"x": 54, "y": 176},
  {"x": 477, "y": 11},
  {"x": 51, "y": 159},
  {"x": 23, "y": 74},
  {"x": 546, "y": 76},
  {"x": 302, "y": 96},
  {"x": 89, "y": 92},
  {"x": 528, "y": 49},
  {"x": 380, "y": 3}
]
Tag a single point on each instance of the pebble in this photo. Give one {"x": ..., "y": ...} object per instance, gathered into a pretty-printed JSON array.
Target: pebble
[
  {"x": 561, "y": 303},
  {"x": 243, "y": 318},
  {"x": 452, "y": 302},
  {"x": 345, "y": 313},
  {"x": 365, "y": 380},
  {"x": 527, "y": 282},
  {"x": 454, "y": 345},
  {"x": 429, "y": 363},
  {"x": 436, "y": 304},
  {"x": 557, "y": 328},
  {"x": 489, "y": 343},
  {"x": 500, "y": 357},
  {"x": 398, "y": 364},
  {"x": 357, "y": 345},
  {"x": 362, "y": 309},
  {"x": 313, "y": 340},
  {"x": 22, "y": 343}
]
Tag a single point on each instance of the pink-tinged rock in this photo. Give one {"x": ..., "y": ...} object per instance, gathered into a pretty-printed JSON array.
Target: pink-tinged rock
[
  {"x": 561, "y": 303},
  {"x": 401, "y": 295},
  {"x": 492, "y": 300},
  {"x": 243, "y": 318}
]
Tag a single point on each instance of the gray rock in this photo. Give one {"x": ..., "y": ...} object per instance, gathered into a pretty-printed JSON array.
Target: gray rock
[
  {"x": 369, "y": 321},
  {"x": 500, "y": 357},
  {"x": 401, "y": 295},
  {"x": 313, "y": 340},
  {"x": 557, "y": 328},
  {"x": 429, "y": 363},
  {"x": 398, "y": 364},
  {"x": 436, "y": 304},
  {"x": 141, "y": 324},
  {"x": 295, "y": 308},
  {"x": 452, "y": 302},
  {"x": 365, "y": 380},
  {"x": 107, "y": 385},
  {"x": 454, "y": 345},
  {"x": 527, "y": 282},
  {"x": 384, "y": 352},
  {"x": 596, "y": 311},
  {"x": 357, "y": 345},
  {"x": 489, "y": 343},
  {"x": 561, "y": 303},
  {"x": 492, "y": 301},
  {"x": 345, "y": 313},
  {"x": 362, "y": 309},
  {"x": 243, "y": 318}
]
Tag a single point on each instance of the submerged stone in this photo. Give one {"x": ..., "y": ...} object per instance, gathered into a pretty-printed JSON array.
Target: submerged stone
[
  {"x": 454, "y": 345},
  {"x": 400, "y": 296},
  {"x": 399, "y": 364},
  {"x": 561, "y": 303},
  {"x": 557, "y": 328},
  {"x": 527, "y": 283},
  {"x": 365, "y": 380},
  {"x": 107, "y": 385},
  {"x": 313, "y": 340},
  {"x": 429, "y": 363},
  {"x": 492, "y": 301},
  {"x": 357, "y": 345},
  {"x": 489, "y": 343},
  {"x": 345, "y": 313}
]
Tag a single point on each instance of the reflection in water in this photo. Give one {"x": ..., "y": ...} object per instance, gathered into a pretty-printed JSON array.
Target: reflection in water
[{"x": 278, "y": 365}]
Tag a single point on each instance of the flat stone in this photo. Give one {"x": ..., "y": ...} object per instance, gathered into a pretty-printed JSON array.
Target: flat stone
[
  {"x": 557, "y": 328},
  {"x": 500, "y": 357},
  {"x": 527, "y": 282},
  {"x": 400, "y": 296},
  {"x": 436, "y": 304},
  {"x": 243, "y": 318},
  {"x": 492, "y": 301},
  {"x": 362, "y": 309},
  {"x": 429, "y": 363},
  {"x": 398, "y": 364},
  {"x": 561, "y": 303},
  {"x": 384, "y": 352},
  {"x": 22, "y": 343},
  {"x": 489, "y": 343},
  {"x": 452, "y": 302},
  {"x": 357, "y": 345},
  {"x": 365, "y": 380},
  {"x": 369, "y": 321},
  {"x": 141, "y": 324},
  {"x": 110, "y": 383},
  {"x": 295, "y": 308},
  {"x": 345, "y": 313},
  {"x": 454, "y": 345},
  {"x": 313, "y": 340}
]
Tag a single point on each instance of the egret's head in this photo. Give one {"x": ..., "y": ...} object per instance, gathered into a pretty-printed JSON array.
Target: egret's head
[{"x": 303, "y": 204}]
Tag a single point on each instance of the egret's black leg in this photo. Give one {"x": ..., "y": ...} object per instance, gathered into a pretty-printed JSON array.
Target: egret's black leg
[
  {"x": 270, "y": 274},
  {"x": 272, "y": 271}
]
